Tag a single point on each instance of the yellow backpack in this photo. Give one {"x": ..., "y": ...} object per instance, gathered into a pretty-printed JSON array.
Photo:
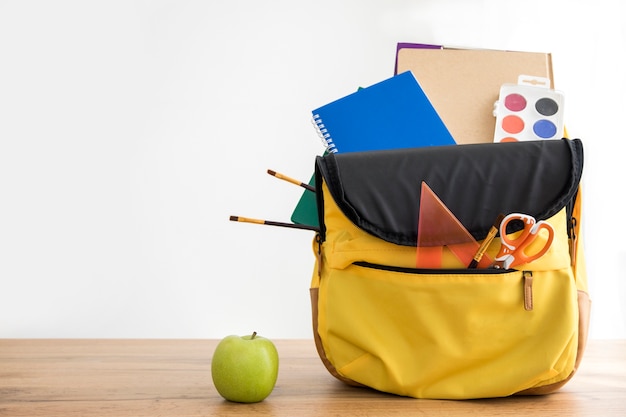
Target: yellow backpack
[{"x": 451, "y": 332}]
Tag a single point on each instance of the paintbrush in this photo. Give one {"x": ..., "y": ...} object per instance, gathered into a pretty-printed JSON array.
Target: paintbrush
[
  {"x": 291, "y": 180},
  {"x": 483, "y": 247},
  {"x": 272, "y": 223}
]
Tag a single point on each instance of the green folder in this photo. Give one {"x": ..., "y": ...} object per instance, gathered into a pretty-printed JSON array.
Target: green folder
[{"x": 305, "y": 211}]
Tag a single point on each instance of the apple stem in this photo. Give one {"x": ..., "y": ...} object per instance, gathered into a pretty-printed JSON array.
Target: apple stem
[{"x": 253, "y": 335}]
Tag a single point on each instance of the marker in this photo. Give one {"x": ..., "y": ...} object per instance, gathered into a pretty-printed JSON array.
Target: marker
[
  {"x": 291, "y": 180},
  {"x": 483, "y": 247},
  {"x": 272, "y": 223}
]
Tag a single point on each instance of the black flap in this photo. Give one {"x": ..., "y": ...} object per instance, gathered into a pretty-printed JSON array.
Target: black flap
[{"x": 379, "y": 191}]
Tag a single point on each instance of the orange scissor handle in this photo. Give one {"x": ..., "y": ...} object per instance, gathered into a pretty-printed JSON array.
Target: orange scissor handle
[{"x": 513, "y": 251}]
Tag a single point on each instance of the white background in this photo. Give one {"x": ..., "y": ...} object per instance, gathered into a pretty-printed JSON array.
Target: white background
[{"x": 131, "y": 130}]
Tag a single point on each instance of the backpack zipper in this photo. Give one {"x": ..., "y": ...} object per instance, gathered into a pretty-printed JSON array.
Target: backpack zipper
[
  {"x": 526, "y": 275},
  {"x": 573, "y": 239},
  {"x": 431, "y": 271}
]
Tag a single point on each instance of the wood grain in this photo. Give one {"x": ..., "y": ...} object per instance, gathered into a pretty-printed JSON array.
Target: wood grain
[{"x": 172, "y": 378}]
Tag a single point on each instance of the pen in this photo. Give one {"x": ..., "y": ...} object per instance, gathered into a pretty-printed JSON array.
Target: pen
[
  {"x": 483, "y": 247},
  {"x": 291, "y": 180},
  {"x": 272, "y": 223}
]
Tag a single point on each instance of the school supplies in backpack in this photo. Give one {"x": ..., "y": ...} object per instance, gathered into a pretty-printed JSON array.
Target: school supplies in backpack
[{"x": 451, "y": 332}]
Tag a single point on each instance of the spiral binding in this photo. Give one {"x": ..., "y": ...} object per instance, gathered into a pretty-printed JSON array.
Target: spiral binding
[{"x": 322, "y": 132}]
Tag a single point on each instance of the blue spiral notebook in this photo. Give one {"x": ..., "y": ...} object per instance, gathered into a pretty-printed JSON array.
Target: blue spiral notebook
[{"x": 394, "y": 113}]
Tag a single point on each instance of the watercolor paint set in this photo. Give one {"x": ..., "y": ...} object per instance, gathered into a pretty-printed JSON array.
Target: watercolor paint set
[{"x": 528, "y": 110}]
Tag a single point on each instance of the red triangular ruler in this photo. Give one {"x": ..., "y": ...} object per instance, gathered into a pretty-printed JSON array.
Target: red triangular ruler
[{"x": 439, "y": 227}]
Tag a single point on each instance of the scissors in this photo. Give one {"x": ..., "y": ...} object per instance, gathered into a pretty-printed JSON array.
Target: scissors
[{"x": 512, "y": 252}]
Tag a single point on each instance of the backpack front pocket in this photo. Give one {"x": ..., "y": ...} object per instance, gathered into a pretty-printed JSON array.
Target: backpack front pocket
[{"x": 448, "y": 333}]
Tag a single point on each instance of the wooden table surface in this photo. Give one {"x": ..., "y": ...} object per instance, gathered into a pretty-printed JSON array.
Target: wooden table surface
[{"x": 136, "y": 378}]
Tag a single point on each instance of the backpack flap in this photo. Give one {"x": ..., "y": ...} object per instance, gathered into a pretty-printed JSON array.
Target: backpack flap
[{"x": 380, "y": 191}]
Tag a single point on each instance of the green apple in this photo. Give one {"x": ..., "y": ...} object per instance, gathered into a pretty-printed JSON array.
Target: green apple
[{"x": 245, "y": 368}]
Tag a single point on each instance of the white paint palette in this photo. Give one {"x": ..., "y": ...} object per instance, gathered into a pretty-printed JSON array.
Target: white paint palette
[{"x": 528, "y": 110}]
